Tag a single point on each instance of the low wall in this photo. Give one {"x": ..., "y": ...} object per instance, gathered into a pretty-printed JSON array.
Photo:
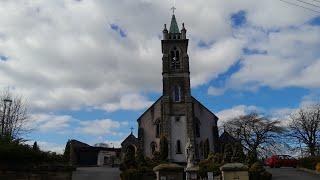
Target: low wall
[{"x": 37, "y": 173}]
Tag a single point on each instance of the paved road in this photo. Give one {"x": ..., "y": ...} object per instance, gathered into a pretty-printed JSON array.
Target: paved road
[
  {"x": 291, "y": 174},
  {"x": 96, "y": 173}
]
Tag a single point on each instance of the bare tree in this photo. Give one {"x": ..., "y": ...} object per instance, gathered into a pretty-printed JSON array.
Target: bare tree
[
  {"x": 254, "y": 132},
  {"x": 13, "y": 115},
  {"x": 305, "y": 127}
]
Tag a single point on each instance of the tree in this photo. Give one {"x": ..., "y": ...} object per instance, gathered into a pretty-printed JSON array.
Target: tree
[
  {"x": 305, "y": 127},
  {"x": 13, "y": 114},
  {"x": 35, "y": 147},
  {"x": 163, "y": 148},
  {"x": 254, "y": 132}
]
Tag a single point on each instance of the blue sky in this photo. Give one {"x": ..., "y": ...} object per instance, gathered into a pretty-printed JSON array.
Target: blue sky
[{"x": 90, "y": 75}]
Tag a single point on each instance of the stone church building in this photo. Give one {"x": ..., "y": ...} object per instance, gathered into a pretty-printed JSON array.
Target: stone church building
[{"x": 176, "y": 115}]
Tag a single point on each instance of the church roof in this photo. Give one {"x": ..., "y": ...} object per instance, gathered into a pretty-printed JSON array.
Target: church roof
[
  {"x": 174, "y": 25},
  {"x": 130, "y": 139},
  {"x": 195, "y": 100}
]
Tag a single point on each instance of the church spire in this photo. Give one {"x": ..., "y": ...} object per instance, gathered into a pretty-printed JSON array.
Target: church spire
[{"x": 174, "y": 25}]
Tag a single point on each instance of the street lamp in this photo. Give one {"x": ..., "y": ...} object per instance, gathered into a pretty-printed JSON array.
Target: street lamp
[{"x": 6, "y": 102}]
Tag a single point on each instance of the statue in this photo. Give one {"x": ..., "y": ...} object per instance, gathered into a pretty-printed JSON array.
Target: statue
[{"x": 189, "y": 153}]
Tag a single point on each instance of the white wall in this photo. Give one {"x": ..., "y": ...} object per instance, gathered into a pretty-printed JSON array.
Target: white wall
[
  {"x": 102, "y": 154},
  {"x": 178, "y": 132},
  {"x": 207, "y": 121},
  {"x": 149, "y": 128}
]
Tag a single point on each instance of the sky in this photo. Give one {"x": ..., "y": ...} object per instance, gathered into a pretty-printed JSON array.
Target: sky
[{"x": 89, "y": 68}]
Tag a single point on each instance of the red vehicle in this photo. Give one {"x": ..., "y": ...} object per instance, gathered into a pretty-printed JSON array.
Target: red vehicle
[{"x": 281, "y": 161}]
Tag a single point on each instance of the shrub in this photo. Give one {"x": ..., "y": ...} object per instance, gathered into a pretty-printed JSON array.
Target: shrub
[
  {"x": 257, "y": 172},
  {"x": 131, "y": 174},
  {"x": 318, "y": 167},
  {"x": 309, "y": 162},
  {"x": 211, "y": 164},
  {"x": 138, "y": 174},
  {"x": 163, "y": 148},
  {"x": 14, "y": 155}
]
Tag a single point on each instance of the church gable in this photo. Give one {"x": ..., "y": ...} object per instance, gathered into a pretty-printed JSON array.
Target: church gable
[
  {"x": 200, "y": 110},
  {"x": 152, "y": 112}
]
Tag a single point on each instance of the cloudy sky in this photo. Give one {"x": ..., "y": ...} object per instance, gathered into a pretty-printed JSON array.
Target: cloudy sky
[{"x": 89, "y": 68}]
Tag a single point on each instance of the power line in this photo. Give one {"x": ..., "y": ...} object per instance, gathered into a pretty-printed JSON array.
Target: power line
[
  {"x": 308, "y": 3},
  {"x": 294, "y": 4}
]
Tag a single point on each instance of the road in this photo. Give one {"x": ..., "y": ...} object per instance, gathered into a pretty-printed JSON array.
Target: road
[
  {"x": 291, "y": 174},
  {"x": 96, "y": 173}
]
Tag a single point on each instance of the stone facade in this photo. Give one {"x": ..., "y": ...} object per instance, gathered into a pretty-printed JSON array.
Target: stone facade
[{"x": 177, "y": 115}]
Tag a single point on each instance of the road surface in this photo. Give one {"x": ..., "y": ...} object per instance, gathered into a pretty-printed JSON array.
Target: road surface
[
  {"x": 96, "y": 173},
  {"x": 291, "y": 174}
]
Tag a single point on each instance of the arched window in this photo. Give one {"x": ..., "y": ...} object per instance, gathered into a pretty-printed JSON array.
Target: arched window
[
  {"x": 177, "y": 94},
  {"x": 175, "y": 58},
  {"x": 153, "y": 147},
  {"x": 178, "y": 148},
  {"x": 158, "y": 129}
]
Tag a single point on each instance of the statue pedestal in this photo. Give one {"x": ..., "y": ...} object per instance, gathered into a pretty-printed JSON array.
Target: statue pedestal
[{"x": 192, "y": 173}]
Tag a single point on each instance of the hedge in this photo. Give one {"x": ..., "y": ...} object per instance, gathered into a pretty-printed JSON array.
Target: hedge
[{"x": 309, "y": 162}]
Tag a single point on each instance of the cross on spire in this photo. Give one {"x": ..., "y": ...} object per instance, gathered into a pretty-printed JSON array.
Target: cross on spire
[
  {"x": 131, "y": 129},
  {"x": 173, "y": 9}
]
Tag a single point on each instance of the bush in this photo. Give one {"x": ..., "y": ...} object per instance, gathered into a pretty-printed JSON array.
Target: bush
[
  {"x": 257, "y": 172},
  {"x": 309, "y": 162},
  {"x": 16, "y": 153},
  {"x": 211, "y": 164},
  {"x": 138, "y": 174},
  {"x": 318, "y": 167},
  {"x": 131, "y": 174}
]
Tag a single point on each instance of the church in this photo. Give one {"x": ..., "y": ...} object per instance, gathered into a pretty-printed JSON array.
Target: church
[{"x": 177, "y": 115}]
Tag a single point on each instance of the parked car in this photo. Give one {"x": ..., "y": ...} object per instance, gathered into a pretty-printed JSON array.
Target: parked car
[{"x": 281, "y": 161}]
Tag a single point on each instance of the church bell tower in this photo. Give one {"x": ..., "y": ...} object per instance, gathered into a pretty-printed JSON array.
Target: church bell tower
[{"x": 177, "y": 105}]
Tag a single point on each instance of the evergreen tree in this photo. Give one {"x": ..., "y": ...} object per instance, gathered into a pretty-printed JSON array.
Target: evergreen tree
[
  {"x": 35, "y": 146},
  {"x": 164, "y": 148}
]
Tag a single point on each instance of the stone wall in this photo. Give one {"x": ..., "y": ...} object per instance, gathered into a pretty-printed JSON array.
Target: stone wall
[
  {"x": 36, "y": 172},
  {"x": 41, "y": 175}
]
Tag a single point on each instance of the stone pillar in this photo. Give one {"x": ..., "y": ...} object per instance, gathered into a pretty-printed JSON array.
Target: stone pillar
[{"x": 233, "y": 171}]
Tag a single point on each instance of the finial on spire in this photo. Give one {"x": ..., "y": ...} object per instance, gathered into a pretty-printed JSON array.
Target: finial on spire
[
  {"x": 131, "y": 130},
  {"x": 165, "y": 26},
  {"x": 173, "y": 9}
]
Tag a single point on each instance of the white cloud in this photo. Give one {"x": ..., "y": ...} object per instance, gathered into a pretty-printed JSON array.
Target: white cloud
[
  {"x": 128, "y": 102},
  {"x": 48, "y": 146},
  {"x": 99, "y": 127},
  {"x": 236, "y": 111},
  {"x": 215, "y": 91},
  {"x": 49, "y": 122},
  {"x": 292, "y": 60},
  {"x": 63, "y": 54}
]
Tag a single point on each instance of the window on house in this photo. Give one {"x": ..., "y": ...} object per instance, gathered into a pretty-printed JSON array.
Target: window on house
[
  {"x": 177, "y": 118},
  {"x": 158, "y": 129},
  {"x": 177, "y": 94},
  {"x": 178, "y": 148}
]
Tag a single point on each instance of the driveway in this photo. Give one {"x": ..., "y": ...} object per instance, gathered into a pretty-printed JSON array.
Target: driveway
[
  {"x": 96, "y": 173},
  {"x": 291, "y": 174}
]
